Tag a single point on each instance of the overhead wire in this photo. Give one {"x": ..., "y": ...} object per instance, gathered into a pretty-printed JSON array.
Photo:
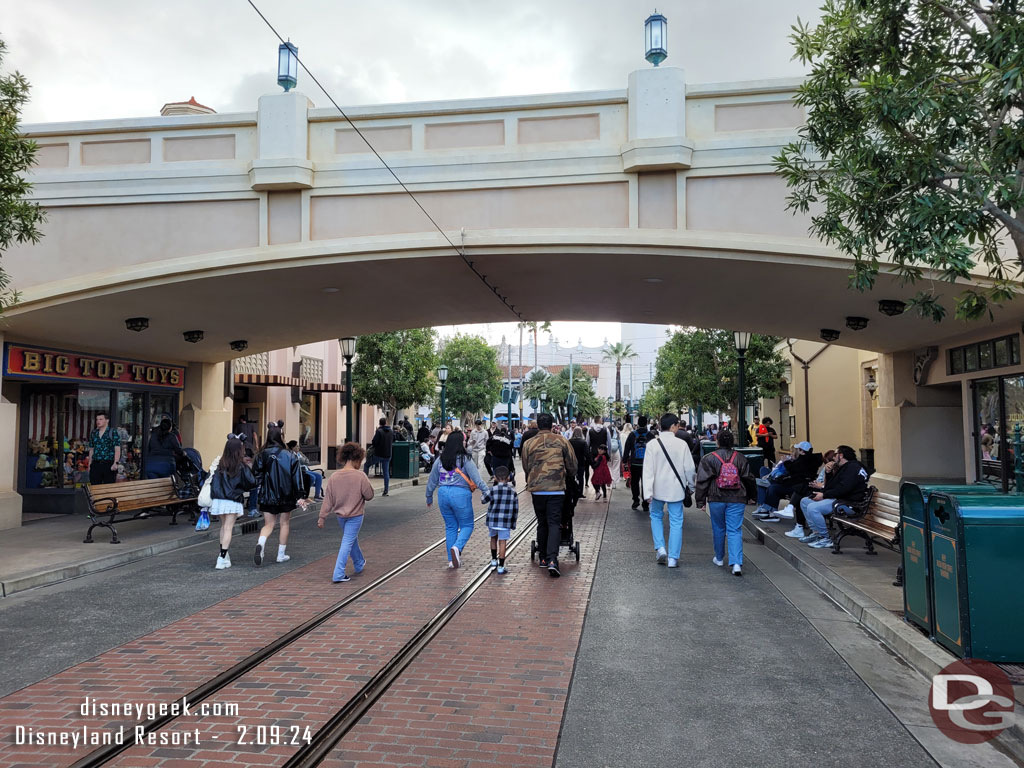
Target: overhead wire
[{"x": 460, "y": 251}]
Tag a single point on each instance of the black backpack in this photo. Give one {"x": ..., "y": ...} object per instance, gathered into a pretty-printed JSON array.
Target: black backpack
[{"x": 640, "y": 447}]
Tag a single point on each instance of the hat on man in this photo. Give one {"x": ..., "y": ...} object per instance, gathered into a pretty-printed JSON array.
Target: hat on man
[{"x": 804, "y": 446}]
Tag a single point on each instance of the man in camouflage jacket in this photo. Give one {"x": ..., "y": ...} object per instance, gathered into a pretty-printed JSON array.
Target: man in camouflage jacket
[{"x": 547, "y": 460}]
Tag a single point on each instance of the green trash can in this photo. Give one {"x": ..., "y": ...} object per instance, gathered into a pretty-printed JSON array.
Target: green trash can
[
  {"x": 706, "y": 447},
  {"x": 754, "y": 456},
  {"x": 405, "y": 460},
  {"x": 916, "y": 552},
  {"x": 977, "y": 547}
]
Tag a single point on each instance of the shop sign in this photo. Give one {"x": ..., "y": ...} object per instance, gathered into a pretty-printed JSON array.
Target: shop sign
[{"x": 39, "y": 363}]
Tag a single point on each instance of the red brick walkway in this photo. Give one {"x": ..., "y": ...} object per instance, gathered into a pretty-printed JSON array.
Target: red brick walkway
[
  {"x": 176, "y": 659},
  {"x": 491, "y": 687}
]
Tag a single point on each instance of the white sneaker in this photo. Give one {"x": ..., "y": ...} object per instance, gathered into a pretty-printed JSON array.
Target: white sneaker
[
  {"x": 227, "y": 560},
  {"x": 662, "y": 556},
  {"x": 283, "y": 558},
  {"x": 494, "y": 564},
  {"x": 673, "y": 563},
  {"x": 786, "y": 512},
  {"x": 798, "y": 532},
  {"x": 737, "y": 570},
  {"x": 456, "y": 557},
  {"x": 717, "y": 562},
  {"x": 222, "y": 563}
]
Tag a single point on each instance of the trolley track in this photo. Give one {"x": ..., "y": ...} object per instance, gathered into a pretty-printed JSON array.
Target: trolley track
[{"x": 369, "y": 693}]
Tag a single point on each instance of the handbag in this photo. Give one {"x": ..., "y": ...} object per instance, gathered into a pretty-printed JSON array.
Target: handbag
[
  {"x": 205, "y": 499},
  {"x": 203, "y": 523},
  {"x": 687, "y": 496},
  {"x": 470, "y": 483}
]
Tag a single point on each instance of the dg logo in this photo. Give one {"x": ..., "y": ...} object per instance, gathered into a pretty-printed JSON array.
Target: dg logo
[{"x": 971, "y": 701}]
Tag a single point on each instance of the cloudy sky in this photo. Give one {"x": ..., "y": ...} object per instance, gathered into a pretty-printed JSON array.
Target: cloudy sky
[{"x": 93, "y": 59}]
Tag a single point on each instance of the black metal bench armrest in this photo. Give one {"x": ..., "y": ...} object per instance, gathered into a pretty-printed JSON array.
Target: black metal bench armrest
[{"x": 110, "y": 502}]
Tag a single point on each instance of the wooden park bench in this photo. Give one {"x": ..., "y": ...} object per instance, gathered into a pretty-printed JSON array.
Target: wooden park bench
[
  {"x": 872, "y": 521},
  {"x": 133, "y": 500}
]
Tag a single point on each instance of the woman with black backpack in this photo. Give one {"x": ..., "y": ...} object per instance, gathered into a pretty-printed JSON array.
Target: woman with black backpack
[
  {"x": 725, "y": 483},
  {"x": 283, "y": 486}
]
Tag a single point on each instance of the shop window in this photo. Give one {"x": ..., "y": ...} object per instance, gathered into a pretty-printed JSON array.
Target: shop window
[
  {"x": 309, "y": 425},
  {"x": 792, "y": 426}
]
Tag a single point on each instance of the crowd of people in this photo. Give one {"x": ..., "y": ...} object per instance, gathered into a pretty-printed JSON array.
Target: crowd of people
[{"x": 662, "y": 464}]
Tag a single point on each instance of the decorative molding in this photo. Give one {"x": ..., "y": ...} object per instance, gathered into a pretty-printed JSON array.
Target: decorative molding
[
  {"x": 923, "y": 359},
  {"x": 253, "y": 365},
  {"x": 311, "y": 369}
]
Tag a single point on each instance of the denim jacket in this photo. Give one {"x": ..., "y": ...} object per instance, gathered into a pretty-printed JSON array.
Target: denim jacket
[{"x": 440, "y": 477}]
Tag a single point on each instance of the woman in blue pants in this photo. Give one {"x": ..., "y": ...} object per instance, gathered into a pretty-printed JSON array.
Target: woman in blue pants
[
  {"x": 726, "y": 485},
  {"x": 455, "y": 477}
]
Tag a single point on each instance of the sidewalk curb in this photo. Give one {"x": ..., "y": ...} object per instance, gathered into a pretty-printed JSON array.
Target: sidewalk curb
[{"x": 906, "y": 642}]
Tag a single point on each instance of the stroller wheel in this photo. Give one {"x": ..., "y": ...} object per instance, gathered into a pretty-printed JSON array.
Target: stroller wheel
[
  {"x": 576, "y": 550},
  {"x": 533, "y": 550}
]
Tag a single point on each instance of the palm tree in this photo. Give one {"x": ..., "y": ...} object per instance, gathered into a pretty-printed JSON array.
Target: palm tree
[{"x": 616, "y": 353}]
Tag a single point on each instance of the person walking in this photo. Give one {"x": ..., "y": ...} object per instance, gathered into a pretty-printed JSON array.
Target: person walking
[
  {"x": 232, "y": 477},
  {"x": 548, "y": 460},
  {"x": 725, "y": 484},
  {"x": 104, "y": 452},
  {"x": 499, "y": 453},
  {"x": 668, "y": 481},
  {"x": 502, "y": 513},
  {"x": 583, "y": 458},
  {"x": 478, "y": 445},
  {"x": 614, "y": 454},
  {"x": 602, "y": 477},
  {"x": 383, "y": 440},
  {"x": 636, "y": 448},
  {"x": 455, "y": 477},
  {"x": 346, "y": 495},
  {"x": 282, "y": 487}
]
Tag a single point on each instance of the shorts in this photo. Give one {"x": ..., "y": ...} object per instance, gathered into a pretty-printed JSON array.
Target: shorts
[{"x": 502, "y": 533}]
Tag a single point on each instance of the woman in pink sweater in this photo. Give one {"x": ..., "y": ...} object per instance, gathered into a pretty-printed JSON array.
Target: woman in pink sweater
[{"x": 345, "y": 497}]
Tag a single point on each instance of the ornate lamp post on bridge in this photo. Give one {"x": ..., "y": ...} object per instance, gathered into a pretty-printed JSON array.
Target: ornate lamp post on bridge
[
  {"x": 742, "y": 339},
  {"x": 442, "y": 376},
  {"x": 348, "y": 350}
]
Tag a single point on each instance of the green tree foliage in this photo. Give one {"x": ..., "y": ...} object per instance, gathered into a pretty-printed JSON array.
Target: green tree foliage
[
  {"x": 395, "y": 370},
  {"x": 474, "y": 379},
  {"x": 617, "y": 353},
  {"x": 535, "y": 384},
  {"x": 657, "y": 401},
  {"x": 19, "y": 218},
  {"x": 700, "y": 366},
  {"x": 588, "y": 405},
  {"x": 913, "y": 151}
]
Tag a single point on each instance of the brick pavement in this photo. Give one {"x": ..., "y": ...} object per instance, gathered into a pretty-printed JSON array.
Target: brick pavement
[
  {"x": 491, "y": 689},
  {"x": 170, "y": 662}
]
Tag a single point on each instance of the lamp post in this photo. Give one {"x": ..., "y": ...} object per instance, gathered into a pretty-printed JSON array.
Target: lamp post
[
  {"x": 656, "y": 38},
  {"x": 348, "y": 350},
  {"x": 287, "y": 65},
  {"x": 543, "y": 401},
  {"x": 442, "y": 376},
  {"x": 742, "y": 339},
  {"x": 579, "y": 348}
]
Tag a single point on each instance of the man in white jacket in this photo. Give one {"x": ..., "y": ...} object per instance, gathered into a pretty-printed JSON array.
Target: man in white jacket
[{"x": 668, "y": 473}]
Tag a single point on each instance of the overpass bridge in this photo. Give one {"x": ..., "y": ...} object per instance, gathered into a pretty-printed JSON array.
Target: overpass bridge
[{"x": 657, "y": 203}]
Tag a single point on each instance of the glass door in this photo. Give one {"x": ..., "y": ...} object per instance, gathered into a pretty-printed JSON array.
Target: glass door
[
  {"x": 130, "y": 428},
  {"x": 988, "y": 420},
  {"x": 1013, "y": 417}
]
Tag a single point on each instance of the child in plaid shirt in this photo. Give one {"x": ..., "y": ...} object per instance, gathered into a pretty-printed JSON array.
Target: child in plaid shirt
[{"x": 501, "y": 516}]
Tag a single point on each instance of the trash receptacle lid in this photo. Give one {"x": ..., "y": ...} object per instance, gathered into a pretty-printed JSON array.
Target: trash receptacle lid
[{"x": 984, "y": 509}]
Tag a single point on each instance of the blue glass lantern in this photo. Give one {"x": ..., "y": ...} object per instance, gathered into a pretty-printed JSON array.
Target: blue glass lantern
[
  {"x": 656, "y": 36},
  {"x": 287, "y": 66}
]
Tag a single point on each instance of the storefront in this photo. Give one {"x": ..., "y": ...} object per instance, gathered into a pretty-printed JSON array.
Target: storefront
[{"x": 61, "y": 393}]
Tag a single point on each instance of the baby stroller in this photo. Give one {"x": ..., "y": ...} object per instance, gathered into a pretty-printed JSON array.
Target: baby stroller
[
  {"x": 189, "y": 476},
  {"x": 567, "y": 538}
]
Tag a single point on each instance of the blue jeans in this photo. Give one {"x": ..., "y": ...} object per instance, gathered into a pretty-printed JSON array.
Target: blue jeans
[
  {"x": 316, "y": 479},
  {"x": 815, "y": 512},
  {"x": 456, "y": 505},
  {"x": 349, "y": 546},
  {"x": 385, "y": 463},
  {"x": 727, "y": 523},
  {"x": 675, "y": 526}
]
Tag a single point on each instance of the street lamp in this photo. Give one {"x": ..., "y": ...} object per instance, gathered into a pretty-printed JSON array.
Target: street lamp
[
  {"x": 742, "y": 339},
  {"x": 656, "y": 37},
  {"x": 569, "y": 399},
  {"x": 287, "y": 65},
  {"x": 442, "y": 376},
  {"x": 543, "y": 401},
  {"x": 348, "y": 350}
]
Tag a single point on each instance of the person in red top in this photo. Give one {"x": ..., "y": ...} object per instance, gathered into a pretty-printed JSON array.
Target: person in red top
[
  {"x": 602, "y": 475},
  {"x": 766, "y": 437}
]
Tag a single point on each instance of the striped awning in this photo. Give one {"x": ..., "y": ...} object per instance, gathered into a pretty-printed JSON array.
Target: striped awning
[
  {"x": 267, "y": 380},
  {"x": 274, "y": 380}
]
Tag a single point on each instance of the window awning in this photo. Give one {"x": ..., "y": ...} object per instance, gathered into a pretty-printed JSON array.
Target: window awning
[{"x": 275, "y": 380}]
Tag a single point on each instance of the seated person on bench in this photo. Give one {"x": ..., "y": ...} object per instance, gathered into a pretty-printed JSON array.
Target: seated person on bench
[
  {"x": 798, "y": 470},
  {"x": 847, "y": 484},
  {"x": 315, "y": 478}
]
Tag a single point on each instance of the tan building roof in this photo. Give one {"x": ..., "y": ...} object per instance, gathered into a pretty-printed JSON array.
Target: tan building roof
[{"x": 518, "y": 371}]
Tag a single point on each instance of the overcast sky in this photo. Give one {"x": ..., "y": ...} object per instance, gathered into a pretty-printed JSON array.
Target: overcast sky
[{"x": 93, "y": 59}]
